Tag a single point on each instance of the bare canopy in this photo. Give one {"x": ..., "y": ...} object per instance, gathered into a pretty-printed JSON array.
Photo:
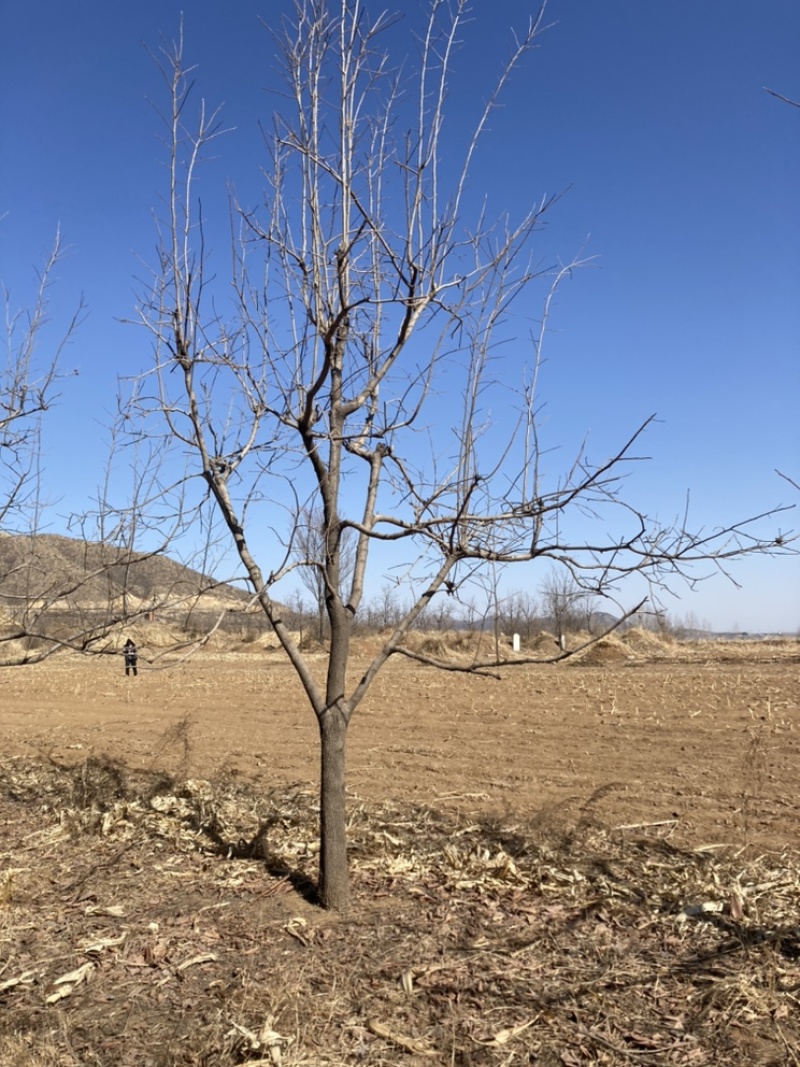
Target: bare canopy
[{"x": 353, "y": 370}]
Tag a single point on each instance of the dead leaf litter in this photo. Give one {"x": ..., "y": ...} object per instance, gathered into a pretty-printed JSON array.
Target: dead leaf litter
[{"x": 148, "y": 921}]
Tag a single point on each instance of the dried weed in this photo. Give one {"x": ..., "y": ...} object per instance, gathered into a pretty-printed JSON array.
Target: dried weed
[{"x": 145, "y": 928}]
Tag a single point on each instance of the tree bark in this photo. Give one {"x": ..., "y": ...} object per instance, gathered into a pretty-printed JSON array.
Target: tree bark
[{"x": 333, "y": 886}]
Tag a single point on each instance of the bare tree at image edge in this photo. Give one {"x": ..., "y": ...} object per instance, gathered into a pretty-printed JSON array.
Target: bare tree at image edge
[
  {"x": 31, "y": 375},
  {"x": 28, "y": 389},
  {"x": 366, "y": 291},
  {"x": 58, "y": 592}
]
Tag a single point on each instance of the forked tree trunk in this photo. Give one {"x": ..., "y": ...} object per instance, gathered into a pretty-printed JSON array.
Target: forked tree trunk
[{"x": 333, "y": 887}]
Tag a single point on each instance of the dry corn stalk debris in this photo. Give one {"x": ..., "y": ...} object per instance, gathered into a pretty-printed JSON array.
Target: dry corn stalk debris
[{"x": 152, "y": 918}]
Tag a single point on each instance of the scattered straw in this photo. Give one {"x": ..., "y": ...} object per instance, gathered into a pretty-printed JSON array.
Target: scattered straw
[{"x": 158, "y": 921}]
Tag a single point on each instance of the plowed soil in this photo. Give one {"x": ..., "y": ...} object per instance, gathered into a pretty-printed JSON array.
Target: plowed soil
[
  {"x": 591, "y": 863},
  {"x": 711, "y": 741}
]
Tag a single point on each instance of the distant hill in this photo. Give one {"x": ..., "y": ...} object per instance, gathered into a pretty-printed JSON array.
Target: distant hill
[{"x": 47, "y": 570}]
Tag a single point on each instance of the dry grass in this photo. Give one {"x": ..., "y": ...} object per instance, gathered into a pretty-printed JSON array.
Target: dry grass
[
  {"x": 609, "y": 649},
  {"x": 556, "y": 901},
  {"x": 647, "y": 642},
  {"x": 152, "y": 921}
]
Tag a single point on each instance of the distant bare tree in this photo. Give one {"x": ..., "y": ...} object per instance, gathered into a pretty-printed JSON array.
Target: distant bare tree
[
  {"x": 521, "y": 614},
  {"x": 384, "y": 611},
  {"x": 474, "y": 611},
  {"x": 308, "y": 548},
  {"x": 29, "y": 386},
  {"x": 437, "y": 616},
  {"x": 587, "y": 608},
  {"x": 298, "y": 615},
  {"x": 57, "y": 592},
  {"x": 31, "y": 374},
  {"x": 357, "y": 365},
  {"x": 561, "y": 600}
]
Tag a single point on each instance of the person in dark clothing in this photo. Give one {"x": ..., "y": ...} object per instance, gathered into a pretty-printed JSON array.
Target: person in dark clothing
[{"x": 131, "y": 657}]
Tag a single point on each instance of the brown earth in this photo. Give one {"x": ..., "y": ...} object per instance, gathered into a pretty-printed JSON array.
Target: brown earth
[
  {"x": 527, "y": 853},
  {"x": 663, "y": 739}
]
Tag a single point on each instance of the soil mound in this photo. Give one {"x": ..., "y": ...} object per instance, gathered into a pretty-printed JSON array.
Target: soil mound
[
  {"x": 640, "y": 640},
  {"x": 544, "y": 641},
  {"x": 607, "y": 650},
  {"x": 445, "y": 644}
]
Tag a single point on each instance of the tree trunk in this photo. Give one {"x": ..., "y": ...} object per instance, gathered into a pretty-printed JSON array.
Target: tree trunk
[{"x": 333, "y": 888}]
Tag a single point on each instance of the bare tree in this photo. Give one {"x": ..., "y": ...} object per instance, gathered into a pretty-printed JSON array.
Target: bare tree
[
  {"x": 561, "y": 597},
  {"x": 521, "y": 613},
  {"x": 384, "y": 611},
  {"x": 356, "y": 364},
  {"x": 31, "y": 375},
  {"x": 437, "y": 616},
  {"x": 59, "y": 592},
  {"x": 309, "y": 548},
  {"x": 28, "y": 388}
]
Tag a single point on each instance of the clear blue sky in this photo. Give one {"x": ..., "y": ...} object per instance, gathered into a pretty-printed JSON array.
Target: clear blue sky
[{"x": 681, "y": 175}]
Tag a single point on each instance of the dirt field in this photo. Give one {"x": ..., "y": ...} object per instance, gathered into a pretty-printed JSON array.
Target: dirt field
[
  {"x": 711, "y": 742},
  {"x": 666, "y": 771}
]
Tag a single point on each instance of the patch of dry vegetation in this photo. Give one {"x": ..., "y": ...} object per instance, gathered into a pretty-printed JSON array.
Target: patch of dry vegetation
[
  {"x": 647, "y": 642},
  {"x": 608, "y": 650},
  {"x": 148, "y": 920}
]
